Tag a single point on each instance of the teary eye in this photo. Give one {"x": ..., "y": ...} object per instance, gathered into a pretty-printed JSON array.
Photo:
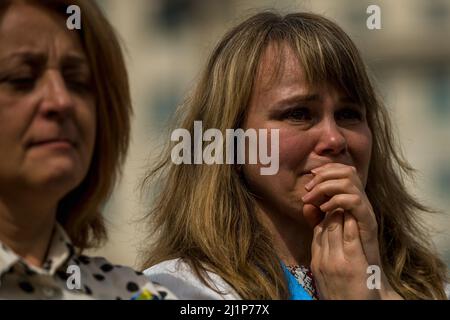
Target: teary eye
[
  {"x": 346, "y": 114},
  {"x": 298, "y": 114}
]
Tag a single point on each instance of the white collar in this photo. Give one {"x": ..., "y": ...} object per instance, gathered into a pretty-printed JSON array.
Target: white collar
[{"x": 59, "y": 251}]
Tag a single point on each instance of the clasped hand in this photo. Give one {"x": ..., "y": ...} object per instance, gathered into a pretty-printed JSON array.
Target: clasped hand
[{"x": 345, "y": 241}]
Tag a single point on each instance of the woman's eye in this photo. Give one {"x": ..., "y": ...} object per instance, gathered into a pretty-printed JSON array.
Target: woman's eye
[
  {"x": 348, "y": 114},
  {"x": 79, "y": 86},
  {"x": 22, "y": 83},
  {"x": 298, "y": 114}
]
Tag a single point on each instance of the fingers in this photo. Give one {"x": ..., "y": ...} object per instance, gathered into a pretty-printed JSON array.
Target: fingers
[
  {"x": 324, "y": 245},
  {"x": 338, "y": 261},
  {"x": 335, "y": 229},
  {"x": 317, "y": 258},
  {"x": 328, "y": 238},
  {"x": 342, "y": 193},
  {"x": 362, "y": 221},
  {"x": 337, "y": 187},
  {"x": 355, "y": 205},
  {"x": 334, "y": 171},
  {"x": 312, "y": 215},
  {"x": 348, "y": 202},
  {"x": 316, "y": 245},
  {"x": 325, "y": 190},
  {"x": 352, "y": 246}
]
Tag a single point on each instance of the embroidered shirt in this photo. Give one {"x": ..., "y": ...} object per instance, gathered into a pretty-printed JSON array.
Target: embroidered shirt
[
  {"x": 178, "y": 276},
  {"x": 66, "y": 275},
  {"x": 305, "y": 278}
]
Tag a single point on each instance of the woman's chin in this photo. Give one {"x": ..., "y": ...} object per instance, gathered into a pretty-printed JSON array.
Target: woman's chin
[{"x": 61, "y": 174}]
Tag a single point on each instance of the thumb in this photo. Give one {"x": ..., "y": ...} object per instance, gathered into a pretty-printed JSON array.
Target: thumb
[{"x": 313, "y": 215}]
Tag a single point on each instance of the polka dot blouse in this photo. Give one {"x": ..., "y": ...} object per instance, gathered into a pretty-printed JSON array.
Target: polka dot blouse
[{"x": 66, "y": 275}]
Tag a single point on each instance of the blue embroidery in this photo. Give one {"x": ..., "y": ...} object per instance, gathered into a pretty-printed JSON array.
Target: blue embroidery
[{"x": 296, "y": 290}]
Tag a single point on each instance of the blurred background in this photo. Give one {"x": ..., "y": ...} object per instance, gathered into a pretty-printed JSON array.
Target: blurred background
[{"x": 167, "y": 42}]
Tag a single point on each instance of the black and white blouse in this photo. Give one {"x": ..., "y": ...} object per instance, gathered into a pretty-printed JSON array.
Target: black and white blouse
[{"x": 66, "y": 275}]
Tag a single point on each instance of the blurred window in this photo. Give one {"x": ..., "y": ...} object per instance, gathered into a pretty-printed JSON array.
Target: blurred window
[{"x": 439, "y": 86}]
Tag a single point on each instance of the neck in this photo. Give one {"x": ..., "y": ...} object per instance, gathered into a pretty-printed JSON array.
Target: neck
[
  {"x": 291, "y": 236},
  {"x": 26, "y": 229}
]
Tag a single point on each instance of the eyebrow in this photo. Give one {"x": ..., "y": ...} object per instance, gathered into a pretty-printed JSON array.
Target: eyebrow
[
  {"x": 314, "y": 97},
  {"x": 70, "y": 60},
  {"x": 27, "y": 57},
  {"x": 296, "y": 99}
]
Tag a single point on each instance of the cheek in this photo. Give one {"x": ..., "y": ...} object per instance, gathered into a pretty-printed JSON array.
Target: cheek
[
  {"x": 93, "y": 127},
  {"x": 9, "y": 138},
  {"x": 360, "y": 147},
  {"x": 88, "y": 124},
  {"x": 15, "y": 119},
  {"x": 295, "y": 147}
]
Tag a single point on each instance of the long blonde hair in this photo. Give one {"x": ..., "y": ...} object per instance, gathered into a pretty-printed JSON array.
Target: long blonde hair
[{"x": 206, "y": 215}]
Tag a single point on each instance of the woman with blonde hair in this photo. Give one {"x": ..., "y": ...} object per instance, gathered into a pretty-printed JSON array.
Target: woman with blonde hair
[
  {"x": 336, "y": 209},
  {"x": 64, "y": 130}
]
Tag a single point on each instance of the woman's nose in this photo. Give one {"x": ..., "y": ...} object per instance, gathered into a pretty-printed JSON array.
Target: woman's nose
[
  {"x": 331, "y": 141},
  {"x": 57, "y": 101}
]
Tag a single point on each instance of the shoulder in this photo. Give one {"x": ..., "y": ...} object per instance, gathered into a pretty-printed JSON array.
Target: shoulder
[
  {"x": 178, "y": 277},
  {"x": 104, "y": 280},
  {"x": 447, "y": 290}
]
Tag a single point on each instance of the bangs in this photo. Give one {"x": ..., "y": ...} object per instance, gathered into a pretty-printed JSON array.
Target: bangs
[{"x": 325, "y": 53}]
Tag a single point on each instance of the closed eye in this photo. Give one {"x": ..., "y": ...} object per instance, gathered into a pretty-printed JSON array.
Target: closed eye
[
  {"x": 79, "y": 86},
  {"x": 77, "y": 81},
  {"x": 22, "y": 83}
]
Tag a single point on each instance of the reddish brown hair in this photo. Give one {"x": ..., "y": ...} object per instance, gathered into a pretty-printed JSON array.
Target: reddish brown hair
[{"x": 79, "y": 211}]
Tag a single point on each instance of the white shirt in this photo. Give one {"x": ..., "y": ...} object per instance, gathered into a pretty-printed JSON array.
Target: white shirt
[
  {"x": 447, "y": 290},
  {"x": 177, "y": 276}
]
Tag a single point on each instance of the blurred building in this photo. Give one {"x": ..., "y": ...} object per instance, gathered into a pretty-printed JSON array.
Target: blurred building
[{"x": 168, "y": 41}]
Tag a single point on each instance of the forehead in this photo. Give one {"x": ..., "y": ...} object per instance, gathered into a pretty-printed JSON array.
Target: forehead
[
  {"x": 281, "y": 73},
  {"x": 27, "y": 27},
  {"x": 279, "y": 66}
]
